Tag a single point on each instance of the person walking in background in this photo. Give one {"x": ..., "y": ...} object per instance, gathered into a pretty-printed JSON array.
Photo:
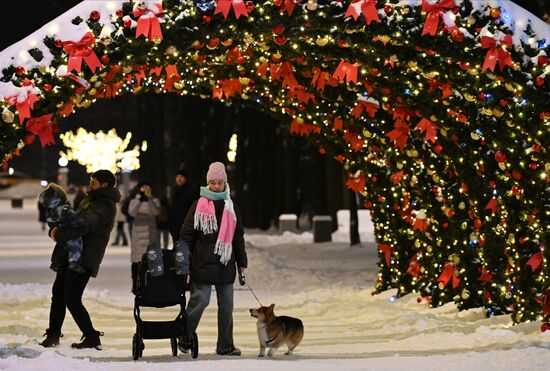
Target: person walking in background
[
  {"x": 120, "y": 238},
  {"x": 163, "y": 223},
  {"x": 42, "y": 216},
  {"x": 215, "y": 236},
  {"x": 183, "y": 196},
  {"x": 125, "y": 203},
  {"x": 98, "y": 211},
  {"x": 143, "y": 208}
]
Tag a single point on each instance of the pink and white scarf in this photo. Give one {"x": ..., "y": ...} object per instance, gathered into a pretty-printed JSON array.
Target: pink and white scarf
[{"x": 205, "y": 221}]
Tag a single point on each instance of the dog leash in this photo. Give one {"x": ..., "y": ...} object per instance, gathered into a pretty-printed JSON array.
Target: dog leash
[{"x": 242, "y": 281}]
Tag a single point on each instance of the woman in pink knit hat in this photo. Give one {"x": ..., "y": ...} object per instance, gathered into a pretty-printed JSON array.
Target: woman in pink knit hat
[{"x": 213, "y": 231}]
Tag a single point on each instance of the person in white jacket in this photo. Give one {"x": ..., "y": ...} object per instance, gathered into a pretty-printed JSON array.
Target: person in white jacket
[{"x": 144, "y": 207}]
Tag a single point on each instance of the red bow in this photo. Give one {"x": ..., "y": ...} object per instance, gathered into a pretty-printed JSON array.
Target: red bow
[
  {"x": 485, "y": 276},
  {"x": 429, "y": 127},
  {"x": 81, "y": 50},
  {"x": 367, "y": 7},
  {"x": 39, "y": 126},
  {"x": 148, "y": 24},
  {"x": 448, "y": 272},
  {"x": 387, "y": 250},
  {"x": 239, "y": 7},
  {"x": 288, "y": 6},
  {"x": 287, "y": 72},
  {"x": 302, "y": 129},
  {"x": 492, "y": 205},
  {"x": 434, "y": 12},
  {"x": 172, "y": 76},
  {"x": 362, "y": 105},
  {"x": 319, "y": 79},
  {"x": 399, "y": 134},
  {"x": 414, "y": 267},
  {"x": 24, "y": 101},
  {"x": 346, "y": 70},
  {"x": 496, "y": 52},
  {"x": 357, "y": 183}
]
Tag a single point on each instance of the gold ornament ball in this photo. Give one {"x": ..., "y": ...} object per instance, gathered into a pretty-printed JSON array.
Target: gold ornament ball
[
  {"x": 312, "y": 5},
  {"x": 462, "y": 205},
  {"x": 322, "y": 41},
  {"x": 7, "y": 116},
  {"x": 92, "y": 91},
  {"x": 178, "y": 85},
  {"x": 474, "y": 135},
  {"x": 495, "y": 13},
  {"x": 441, "y": 285},
  {"x": 465, "y": 294},
  {"x": 171, "y": 50},
  {"x": 157, "y": 40}
]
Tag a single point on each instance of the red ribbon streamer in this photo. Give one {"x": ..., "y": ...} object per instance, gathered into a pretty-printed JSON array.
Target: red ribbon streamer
[
  {"x": 496, "y": 53},
  {"x": 449, "y": 272},
  {"x": 387, "y": 250},
  {"x": 39, "y": 126},
  {"x": 368, "y": 9},
  {"x": 239, "y": 7},
  {"x": 434, "y": 13},
  {"x": 148, "y": 24},
  {"x": 535, "y": 261},
  {"x": 82, "y": 50}
]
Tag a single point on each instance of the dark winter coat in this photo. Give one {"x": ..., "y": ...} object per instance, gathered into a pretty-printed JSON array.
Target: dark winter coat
[
  {"x": 205, "y": 264},
  {"x": 182, "y": 199},
  {"x": 98, "y": 209}
]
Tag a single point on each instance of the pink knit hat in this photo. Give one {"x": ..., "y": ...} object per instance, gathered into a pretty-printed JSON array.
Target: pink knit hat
[{"x": 216, "y": 171}]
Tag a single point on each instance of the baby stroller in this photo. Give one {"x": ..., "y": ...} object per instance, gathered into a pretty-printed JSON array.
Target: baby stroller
[{"x": 160, "y": 291}]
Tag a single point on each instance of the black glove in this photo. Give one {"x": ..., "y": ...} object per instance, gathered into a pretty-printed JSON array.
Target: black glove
[{"x": 242, "y": 280}]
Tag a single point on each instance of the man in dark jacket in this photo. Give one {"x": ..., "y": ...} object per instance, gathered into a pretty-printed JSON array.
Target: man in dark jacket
[
  {"x": 98, "y": 209},
  {"x": 183, "y": 196}
]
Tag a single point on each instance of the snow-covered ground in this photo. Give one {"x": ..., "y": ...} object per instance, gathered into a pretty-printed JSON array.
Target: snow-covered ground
[{"x": 328, "y": 286}]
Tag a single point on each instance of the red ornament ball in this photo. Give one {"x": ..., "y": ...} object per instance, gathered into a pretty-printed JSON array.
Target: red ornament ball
[
  {"x": 539, "y": 81},
  {"x": 500, "y": 156},
  {"x": 503, "y": 102},
  {"x": 445, "y": 225},
  {"x": 367, "y": 204},
  {"x": 438, "y": 148},
  {"x": 278, "y": 29},
  {"x": 206, "y": 18},
  {"x": 58, "y": 44},
  {"x": 79, "y": 90},
  {"x": 545, "y": 327},
  {"x": 105, "y": 59},
  {"x": 516, "y": 174},
  {"x": 478, "y": 223},
  {"x": 387, "y": 9},
  {"x": 533, "y": 166},
  {"x": 278, "y": 2},
  {"x": 127, "y": 23},
  {"x": 516, "y": 190},
  {"x": 47, "y": 87},
  {"x": 542, "y": 60},
  {"x": 19, "y": 71},
  {"x": 374, "y": 179},
  {"x": 457, "y": 35},
  {"x": 250, "y": 6},
  {"x": 94, "y": 16},
  {"x": 495, "y": 13},
  {"x": 536, "y": 147},
  {"x": 119, "y": 13}
]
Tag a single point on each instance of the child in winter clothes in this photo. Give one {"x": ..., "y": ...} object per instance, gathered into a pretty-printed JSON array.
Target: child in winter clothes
[{"x": 59, "y": 213}]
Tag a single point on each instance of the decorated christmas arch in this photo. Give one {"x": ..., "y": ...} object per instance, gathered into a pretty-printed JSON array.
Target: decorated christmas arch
[{"x": 438, "y": 110}]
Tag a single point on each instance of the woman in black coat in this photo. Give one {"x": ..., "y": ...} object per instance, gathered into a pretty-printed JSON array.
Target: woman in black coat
[{"x": 215, "y": 236}]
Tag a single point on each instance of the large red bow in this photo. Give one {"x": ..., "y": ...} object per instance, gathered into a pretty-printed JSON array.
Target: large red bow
[
  {"x": 496, "y": 52},
  {"x": 40, "y": 126},
  {"x": 289, "y": 5},
  {"x": 449, "y": 272},
  {"x": 79, "y": 50},
  {"x": 429, "y": 127},
  {"x": 148, "y": 24},
  {"x": 434, "y": 13},
  {"x": 24, "y": 101},
  {"x": 239, "y": 7},
  {"x": 367, "y": 7}
]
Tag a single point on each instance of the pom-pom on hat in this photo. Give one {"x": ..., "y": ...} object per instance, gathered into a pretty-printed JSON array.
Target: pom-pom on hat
[{"x": 216, "y": 171}]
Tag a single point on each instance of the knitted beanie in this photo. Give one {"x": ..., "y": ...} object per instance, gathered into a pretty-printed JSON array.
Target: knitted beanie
[{"x": 216, "y": 171}]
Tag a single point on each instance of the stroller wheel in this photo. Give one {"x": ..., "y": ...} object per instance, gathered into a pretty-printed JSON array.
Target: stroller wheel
[
  {"x": 194, "y": 345},
  {"x": 174, "y": 343},
  {"x": 137, "y": 347}
]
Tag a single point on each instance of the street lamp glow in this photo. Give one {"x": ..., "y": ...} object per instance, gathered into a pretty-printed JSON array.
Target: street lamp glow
[{"x": 101, "y": 150}]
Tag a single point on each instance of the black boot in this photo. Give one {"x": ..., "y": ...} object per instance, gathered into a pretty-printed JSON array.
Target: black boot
[
  {"x": 89, "y": 341},
  {"x": 52, "y": 339}
]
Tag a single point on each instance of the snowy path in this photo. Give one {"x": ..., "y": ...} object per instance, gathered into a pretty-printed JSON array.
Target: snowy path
[{"x": 326, "y": 285}]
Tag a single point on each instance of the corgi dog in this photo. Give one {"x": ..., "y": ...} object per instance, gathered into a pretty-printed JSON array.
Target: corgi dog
[{"x": 275, "y": 331}]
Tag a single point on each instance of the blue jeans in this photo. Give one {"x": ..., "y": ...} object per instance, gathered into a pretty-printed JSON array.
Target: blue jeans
[{"x": 199, "y": 300}]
